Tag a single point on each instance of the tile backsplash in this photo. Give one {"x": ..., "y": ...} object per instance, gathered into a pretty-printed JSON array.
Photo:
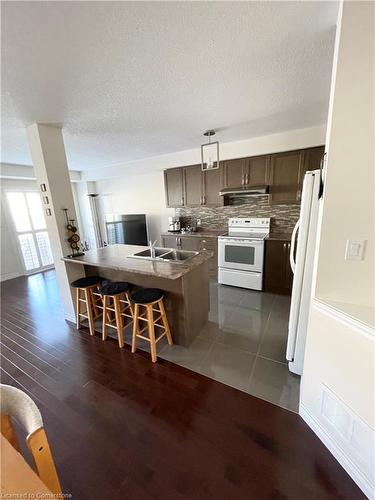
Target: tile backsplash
[{"x": 283, "y": 217}]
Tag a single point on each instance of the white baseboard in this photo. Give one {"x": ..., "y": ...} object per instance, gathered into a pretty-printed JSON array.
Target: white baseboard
[
  {"x": 345, "y": 461},
  {"x": 72, "y": 319},
  {"x": 10, "y": 276}
]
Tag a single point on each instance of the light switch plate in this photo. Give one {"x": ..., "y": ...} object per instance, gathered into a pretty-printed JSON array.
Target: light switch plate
[{"x": 355, "y": 249}]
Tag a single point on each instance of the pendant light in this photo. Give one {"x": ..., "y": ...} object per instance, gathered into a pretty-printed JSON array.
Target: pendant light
[{"x": 210, "y": 152}]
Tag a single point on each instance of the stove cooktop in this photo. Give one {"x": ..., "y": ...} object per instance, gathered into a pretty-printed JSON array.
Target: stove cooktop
[{"x": 245, "y": 235}]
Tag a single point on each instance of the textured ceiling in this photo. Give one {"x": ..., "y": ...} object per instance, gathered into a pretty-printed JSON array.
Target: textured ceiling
[{"x": 129, "y": 80}]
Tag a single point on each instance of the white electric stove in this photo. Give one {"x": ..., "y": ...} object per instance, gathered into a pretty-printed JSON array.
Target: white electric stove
[{"x": 241, "y": 252}]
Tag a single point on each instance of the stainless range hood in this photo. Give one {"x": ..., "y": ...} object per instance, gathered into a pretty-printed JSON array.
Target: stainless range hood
[{"x": 245, "y": 191}]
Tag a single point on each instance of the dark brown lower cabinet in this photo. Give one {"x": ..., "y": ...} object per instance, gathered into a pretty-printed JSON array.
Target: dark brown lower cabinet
[
  {"x": 171, "y": 241},
  {"x": 195, "y": 244},
  {"x": 278, "y": 276}
]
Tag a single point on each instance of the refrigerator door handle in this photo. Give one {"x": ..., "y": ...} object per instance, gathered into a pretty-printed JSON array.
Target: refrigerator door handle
[{"x": 293, "y": 245}]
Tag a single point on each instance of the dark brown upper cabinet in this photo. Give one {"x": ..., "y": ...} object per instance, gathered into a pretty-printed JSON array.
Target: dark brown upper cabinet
[
  {"x": 174, "y": 187},
  {"x": 284, "y": 172},
  {"x": 311, "y": 161},
  {"x": 253, "y": 171},
  {"x": 234, "y": 172},
  {"x": 258, "y": 171},
  {"x": 190, "y": 187},
  {"x": 193, "y": 186},
  {"x": 288, "y": 171},
  {"x": 212, "y": 182},
  {"x": 312, "y": 158},
  {"x": 285, "y": 177}
]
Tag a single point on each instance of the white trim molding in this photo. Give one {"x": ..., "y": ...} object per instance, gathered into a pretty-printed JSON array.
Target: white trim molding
[
  {"x": 343, "y": 318},
  {"x": 10, "y": 276},
  {"x": 341, "y": 455}
]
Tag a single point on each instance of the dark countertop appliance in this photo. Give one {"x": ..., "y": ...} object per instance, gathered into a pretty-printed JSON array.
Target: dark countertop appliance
[{"x": 128, "y": 229}]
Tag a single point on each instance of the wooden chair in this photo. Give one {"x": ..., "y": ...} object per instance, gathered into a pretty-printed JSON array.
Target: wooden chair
[
  {"x": 86, "y": 289},
  {"x": 16, "y": 404},
  {"x": 147, "y": 302},
  {"x": 116, "y": 308}
]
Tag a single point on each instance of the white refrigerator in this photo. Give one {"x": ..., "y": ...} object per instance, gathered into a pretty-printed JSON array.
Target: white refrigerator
[{"x": 302, "y": 254}]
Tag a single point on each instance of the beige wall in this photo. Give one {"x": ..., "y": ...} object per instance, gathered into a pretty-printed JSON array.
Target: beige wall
[
  {"x": 132, "y": 194},
  {"x": 349, "y": 200},
  {"x": 339, "y": 356}
]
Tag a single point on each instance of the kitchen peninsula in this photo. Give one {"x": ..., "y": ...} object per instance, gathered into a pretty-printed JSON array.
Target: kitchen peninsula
[{"x": 186, "y": 283}]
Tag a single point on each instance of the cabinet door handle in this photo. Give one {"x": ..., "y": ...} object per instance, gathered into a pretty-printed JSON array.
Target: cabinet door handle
[
  {"x": 299, "y": 195},
  {"x": 182, "y": 200},
  {"x": 204, "y": 199},
  {"x": 201, "y": 200},
  {"x": 246, "y": 179},
  {"x": 242, "y": 180}
]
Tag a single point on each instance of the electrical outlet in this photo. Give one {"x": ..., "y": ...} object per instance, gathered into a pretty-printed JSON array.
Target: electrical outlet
[{"x": 355, "y": 249}]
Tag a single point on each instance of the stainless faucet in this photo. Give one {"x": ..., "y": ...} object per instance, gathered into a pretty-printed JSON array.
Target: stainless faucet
[{"x": 152, "y": 244}]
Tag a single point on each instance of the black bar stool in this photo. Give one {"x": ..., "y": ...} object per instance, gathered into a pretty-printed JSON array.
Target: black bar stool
[
  {"x": 151, "y": 300},
  {"x": 85, "y": 288},
  {"x": 116, "y": 294}
]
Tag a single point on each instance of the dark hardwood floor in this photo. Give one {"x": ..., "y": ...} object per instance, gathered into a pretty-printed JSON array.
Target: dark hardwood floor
[{"x": 121, "y": 427}]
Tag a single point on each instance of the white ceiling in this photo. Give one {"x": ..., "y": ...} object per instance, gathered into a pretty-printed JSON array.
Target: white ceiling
[{"x": 129, "y": 80}]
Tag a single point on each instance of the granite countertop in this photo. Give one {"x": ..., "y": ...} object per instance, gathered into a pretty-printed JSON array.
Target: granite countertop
[
  {"x": 117, "y": 257},
  {"x": 204, "y": 233}
]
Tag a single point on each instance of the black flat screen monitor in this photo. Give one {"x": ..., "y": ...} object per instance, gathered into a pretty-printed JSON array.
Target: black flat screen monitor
[{"x": 129, "y": 229}]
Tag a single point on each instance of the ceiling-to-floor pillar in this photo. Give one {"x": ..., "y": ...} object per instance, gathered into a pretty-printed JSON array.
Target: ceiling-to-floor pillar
[{"x": 51, "y": 171}]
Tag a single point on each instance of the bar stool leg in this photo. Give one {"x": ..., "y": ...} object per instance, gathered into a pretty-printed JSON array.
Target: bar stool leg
[
  {"x": 116, "y": 300},
  {"x": 135, "y": 327},
  {"x": 130, "y": 305},
  {"x": 78, "y": 309},
  {"x": 89, "y": 311},
  {"x": 105, "y": 316},
  {"x": 151, "y": 329},
  {"x": 94, "y": 301},
  {"x": 165, "y": 322}
]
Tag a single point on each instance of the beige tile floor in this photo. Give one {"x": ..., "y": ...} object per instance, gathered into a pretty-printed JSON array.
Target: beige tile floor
[{"x": 243, "y": 345}]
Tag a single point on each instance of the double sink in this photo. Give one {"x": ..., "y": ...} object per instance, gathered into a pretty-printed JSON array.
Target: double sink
[{"x": 165, "y": 255}]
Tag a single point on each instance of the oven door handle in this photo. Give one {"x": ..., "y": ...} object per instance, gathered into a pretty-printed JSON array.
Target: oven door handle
[{"x": 242, "y": 243}]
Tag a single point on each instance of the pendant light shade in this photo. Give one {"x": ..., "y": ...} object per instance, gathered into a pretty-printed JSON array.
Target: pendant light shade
[{"x": 210, "y": 153}]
